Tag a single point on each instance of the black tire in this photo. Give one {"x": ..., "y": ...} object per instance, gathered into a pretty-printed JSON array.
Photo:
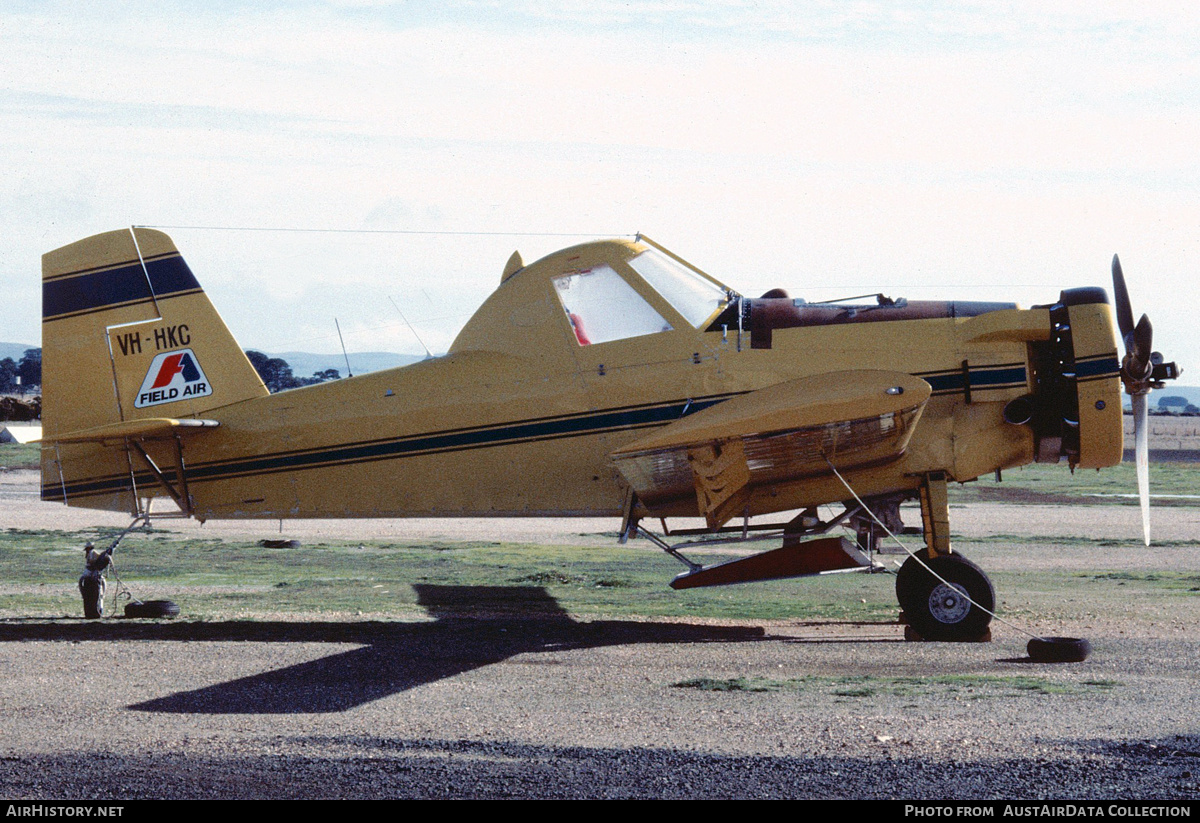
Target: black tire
[
  {"x": 940, "y": 612},
  {"x": 279, "y": 544},
  {"x": 1059, "y": 649},
  {"x": 92, "y": 591},
  {"x": 152, "y": 608}
]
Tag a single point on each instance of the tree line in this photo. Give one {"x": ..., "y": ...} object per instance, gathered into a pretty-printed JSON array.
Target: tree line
[
  {"x": 1176, "y": 404},
  {"x": 277, "y": 374},
  {"x": 28, "y": 369},
  {"x": 274, "y": 371}
]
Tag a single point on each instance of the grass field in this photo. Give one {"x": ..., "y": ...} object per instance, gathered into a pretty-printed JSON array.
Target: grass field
[
  {"x": 224, "y": 578},
  {"x": 19, "y": 455},
  {"x": 1046, "y": 483},
  {"x": 220, "y": 579}
]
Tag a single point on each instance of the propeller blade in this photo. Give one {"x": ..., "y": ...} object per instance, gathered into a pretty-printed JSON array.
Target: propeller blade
[
  {"x": 1142, "y": 452},
  {"x": 1121, "y": 299},
  {"x": 1138, "y": 364},
  {"x": 1143, "y": 340}
]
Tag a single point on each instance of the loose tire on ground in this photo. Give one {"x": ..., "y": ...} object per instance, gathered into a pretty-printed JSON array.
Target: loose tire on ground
[
  {"x": 152, "y": 608},
  {"x": 279, "y": 544},
  {"x": 938, "y": 611},
  {"x": 1058, "y": 649}
]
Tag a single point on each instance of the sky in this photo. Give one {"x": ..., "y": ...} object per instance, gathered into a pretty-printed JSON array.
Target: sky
[{"x": 376, "y": 162}]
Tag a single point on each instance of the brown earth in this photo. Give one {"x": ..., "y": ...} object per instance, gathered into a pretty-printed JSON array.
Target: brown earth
[{"x": 575, "y": 707}]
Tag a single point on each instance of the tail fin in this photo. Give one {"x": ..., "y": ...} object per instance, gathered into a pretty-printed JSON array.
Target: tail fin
[{"x": 127, "y": 334}]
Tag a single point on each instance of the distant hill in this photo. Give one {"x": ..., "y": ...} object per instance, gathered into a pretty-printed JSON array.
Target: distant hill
[
  {"x": 1192, "y": 393},
  {"x": 15, "y": 350},
  {"x": 305, "y": 364}
]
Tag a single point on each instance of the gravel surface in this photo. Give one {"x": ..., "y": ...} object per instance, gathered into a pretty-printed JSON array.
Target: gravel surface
[{"x": 566, "y": 707}]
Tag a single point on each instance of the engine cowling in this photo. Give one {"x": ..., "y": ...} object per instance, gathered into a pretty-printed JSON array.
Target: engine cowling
[{"x": 1075, "y": 411}]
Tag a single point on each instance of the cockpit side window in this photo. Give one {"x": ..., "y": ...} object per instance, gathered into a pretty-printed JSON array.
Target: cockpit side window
[
  {"x": 602, "y": 307},
  {"x": 691, "y": 294}
]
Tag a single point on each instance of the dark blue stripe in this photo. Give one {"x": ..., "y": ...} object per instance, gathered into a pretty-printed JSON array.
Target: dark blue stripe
[
  {"x": 546, "y": 429},
  {"x": 980, "y": 378},
  {"x": 112, "y": 287},
  {"x": 1102, "y": 366},
  {"x": 457, "y": 441},
  {"x": 449, "y": 441}
]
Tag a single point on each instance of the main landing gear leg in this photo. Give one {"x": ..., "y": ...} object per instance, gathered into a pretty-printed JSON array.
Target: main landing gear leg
[{"x": 943, "y": 596}]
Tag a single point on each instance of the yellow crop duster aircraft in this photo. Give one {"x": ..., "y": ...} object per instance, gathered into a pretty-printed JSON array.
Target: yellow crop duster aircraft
[{"x": 608, "y": 379}]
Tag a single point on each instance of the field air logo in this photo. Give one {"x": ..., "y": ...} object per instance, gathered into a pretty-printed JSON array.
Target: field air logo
[{"x": 174, "y": 375}]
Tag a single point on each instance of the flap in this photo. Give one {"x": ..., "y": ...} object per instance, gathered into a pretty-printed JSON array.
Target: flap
[{"x": 146, "y": 429}]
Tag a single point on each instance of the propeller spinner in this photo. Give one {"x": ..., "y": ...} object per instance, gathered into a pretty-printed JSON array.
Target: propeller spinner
[{"x": 1141, "y": 370}]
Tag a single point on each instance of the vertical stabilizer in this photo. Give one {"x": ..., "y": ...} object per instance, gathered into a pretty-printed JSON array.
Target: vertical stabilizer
[{"x": 127, "y": 333}]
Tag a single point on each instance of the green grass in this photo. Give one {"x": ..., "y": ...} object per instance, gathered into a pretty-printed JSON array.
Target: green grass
[
  {"x": 1159, "y": 582},
  {"x": 1054, "y": 483},
  {"x": 20, "y": 456},
  {"x": 214, "y": 578},
  {"x": 1126, "y": 543},
  {"x": 970, "y": 687},
  {"x": 338, "y": 577},
  {"x": 1090, "y": 592}
]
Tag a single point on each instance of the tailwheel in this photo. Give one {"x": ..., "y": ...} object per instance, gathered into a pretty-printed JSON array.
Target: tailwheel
[{"x": 943, "y": 609}]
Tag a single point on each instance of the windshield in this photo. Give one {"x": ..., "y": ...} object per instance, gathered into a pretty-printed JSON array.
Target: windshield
[
  {"x": 690, "y": 293},
  {"x": 602, "y": 307}
]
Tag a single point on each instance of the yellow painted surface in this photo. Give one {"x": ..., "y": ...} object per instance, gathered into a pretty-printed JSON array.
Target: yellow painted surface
[
  {"x": 150, "y": 428},
  {"x": 794, "y": 404},
  {"x": 1100, "y": 417},
  {"x": 519, "y": 418}
]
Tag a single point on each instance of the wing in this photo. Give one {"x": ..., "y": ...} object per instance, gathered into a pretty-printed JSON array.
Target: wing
[{"x": 781, "y": 433}]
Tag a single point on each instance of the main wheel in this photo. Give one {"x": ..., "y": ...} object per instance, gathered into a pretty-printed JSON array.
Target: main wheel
[
  {"x": 940, "y": 610},
  {"x": 92, "y": 590}
]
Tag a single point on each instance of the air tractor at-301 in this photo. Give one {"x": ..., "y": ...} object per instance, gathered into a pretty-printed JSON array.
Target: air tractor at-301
[{"x": 610, "y": 379}]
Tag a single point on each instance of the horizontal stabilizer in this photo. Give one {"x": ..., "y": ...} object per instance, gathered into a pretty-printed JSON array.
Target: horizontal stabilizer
[
  {"x": 148, "y": 428},
  {"x": 826, "y": 554}
]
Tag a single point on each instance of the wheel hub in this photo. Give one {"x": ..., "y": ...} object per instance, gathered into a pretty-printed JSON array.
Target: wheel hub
[{"x": 948, "y": 603}]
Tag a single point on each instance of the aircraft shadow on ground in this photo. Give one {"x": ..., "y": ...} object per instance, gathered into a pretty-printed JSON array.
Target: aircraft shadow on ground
[{"x": 473, "y": 626}]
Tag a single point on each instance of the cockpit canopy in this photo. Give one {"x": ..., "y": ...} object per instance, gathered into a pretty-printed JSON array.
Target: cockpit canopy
[
  {"x": 613, "y": 290},
  {"x": 595, "y": 293},
  {"x": 601, "y": 305}
]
